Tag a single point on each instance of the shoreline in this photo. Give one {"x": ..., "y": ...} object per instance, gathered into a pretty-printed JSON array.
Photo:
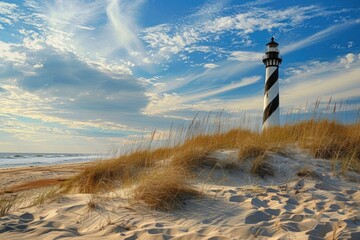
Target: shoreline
[
  {"x": 16, "y": 160},
  {"x": 48, "y": 164}
]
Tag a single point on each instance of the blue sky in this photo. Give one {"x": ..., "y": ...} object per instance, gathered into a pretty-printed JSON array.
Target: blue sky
[{"x": 81, "y": 76}]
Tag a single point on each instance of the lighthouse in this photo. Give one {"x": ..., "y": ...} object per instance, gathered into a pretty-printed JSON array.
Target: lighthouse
[{"x": 272, "y": 60}]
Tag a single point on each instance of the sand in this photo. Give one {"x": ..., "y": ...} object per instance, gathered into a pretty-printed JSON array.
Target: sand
[
  {"x": 235, "y": 205},
  {"x": 23, "y": 178}
]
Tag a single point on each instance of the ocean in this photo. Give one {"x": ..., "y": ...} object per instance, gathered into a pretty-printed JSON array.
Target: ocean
[{"x": 8, "y": 160}]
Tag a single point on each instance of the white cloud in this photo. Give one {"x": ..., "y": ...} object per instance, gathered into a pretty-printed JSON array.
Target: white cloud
[
  {"x": 309, "y": 69},
  {"x": 213, "y": 92},
  {"x": 245, "y": 56},
  {"x": 317, "y": 37},
  {"x": 349, "y": 58},
  {"x": 8, "y": 14},
  {"x": 199, "y": 29},
  {"x": 211, "y": 65},
  {"x": 326, "y": 86},
  {"x": 41, "y": 115},
  {"x": 104, "y": 44},
  {"x": 9, "y": 53},
  {"x": 39, "y": 65},
  {"x": 169, "y": 102},
  {"x": 206, "y": 76},
  {"x": 121, "y": 17},
  {"x": 338, "y": 79}
]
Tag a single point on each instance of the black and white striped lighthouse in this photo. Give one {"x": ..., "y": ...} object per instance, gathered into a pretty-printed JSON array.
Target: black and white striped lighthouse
[{"x": 272, "y": 60}]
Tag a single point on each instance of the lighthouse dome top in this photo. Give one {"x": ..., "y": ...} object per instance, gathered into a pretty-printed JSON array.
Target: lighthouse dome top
[{"x": 272, "y": 43}]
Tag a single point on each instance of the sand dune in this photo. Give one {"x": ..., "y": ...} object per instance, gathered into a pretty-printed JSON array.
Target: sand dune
[{"x": 235, "y": 205}]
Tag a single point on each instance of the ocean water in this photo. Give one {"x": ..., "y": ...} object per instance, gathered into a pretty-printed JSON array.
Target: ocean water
[{"x": 8, "y": 160}]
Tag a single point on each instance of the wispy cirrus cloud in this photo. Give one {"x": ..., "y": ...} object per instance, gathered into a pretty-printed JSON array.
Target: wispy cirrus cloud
[
  {"x": 318, "y": 36},
  {"x": 167, "y": 103},
  {"x": 166, "y": 40},
  {"x": 102, "y": 33},
  {"x": 338, "y": 79},
  {"x": 246, "y": 56}
]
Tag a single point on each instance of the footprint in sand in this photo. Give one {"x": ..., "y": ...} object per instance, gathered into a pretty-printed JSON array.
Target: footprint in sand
[
  {"x": 350, "y": 191},
  {"x": 334, "y": 208},
  {"x": 237, "y": 198},
  {"x": 155, "y": 231},
  {"x": 341, "y": 197},
  {"x": 256, "y": 217},
  {"x": 320, "y": 230},
  {"x": 256, "y": 202},
  {"x": 6, "y": 228},
  {"x": 274, "y": 212},
  {"x": 262, "y": 231},
  {"x": 292, "y": 218},
  {"x": 320, "y": 206},
  {"x": 26, "y": 217},
  {"x": 327, "y": 186},
  {"x": 299, "y": 226},
  {"x": 308, "y": 211}
]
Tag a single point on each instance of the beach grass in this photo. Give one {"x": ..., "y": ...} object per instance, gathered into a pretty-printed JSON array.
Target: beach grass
[
  {"x": 7, "y": 203},
  {"x": 158, "y": 172},
  {"x": 164, "y": 188}
]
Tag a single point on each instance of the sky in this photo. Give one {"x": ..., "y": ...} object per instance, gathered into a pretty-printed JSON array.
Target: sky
[{"x": 88, "y": 75}]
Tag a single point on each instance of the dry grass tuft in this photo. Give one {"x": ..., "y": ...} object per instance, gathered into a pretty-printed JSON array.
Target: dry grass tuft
[
  {"x": 164, "y": 188},
  {"x": 97, "y": 178},
  {"x": 94, "y": 203},
  {"x": 105, "y": 175},
  {"x": 261, "y": 167},
  {"x": 7, "y": 203},
  {"x": 45, "y": 195},
  {"x": 192, "y": 158},
  {"x": 250, "y": 151}
]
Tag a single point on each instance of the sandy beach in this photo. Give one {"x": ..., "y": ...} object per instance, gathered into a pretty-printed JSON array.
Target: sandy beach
[
  {"x": 24, "y": 178},
  {"x": 234, "y": 205}
]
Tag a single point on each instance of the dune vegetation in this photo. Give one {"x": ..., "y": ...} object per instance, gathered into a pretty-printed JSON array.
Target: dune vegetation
[{"x": 163, "y": 176}]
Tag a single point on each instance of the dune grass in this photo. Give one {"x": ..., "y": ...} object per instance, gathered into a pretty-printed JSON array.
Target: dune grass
[
  {"x": 104, "y": 175},
  {"x": 160, "y": 174},
  {"x": 164, "y": 188},
  {"x": 44, "y": 196},
  {"x": 7, "y": 203}
]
